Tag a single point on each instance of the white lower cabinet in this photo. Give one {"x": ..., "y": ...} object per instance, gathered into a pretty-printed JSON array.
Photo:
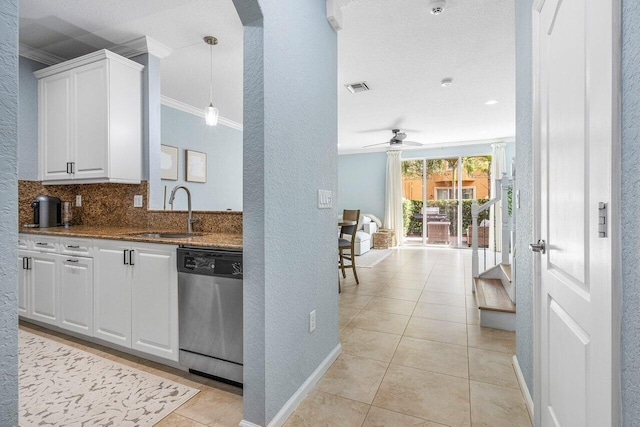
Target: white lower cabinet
[
  {"x": 75, "y": 287},
  {"x": 112, "y": 293},
  {"x": 24, "y": 282},
  {"x": 136, "y": 297},
  {"x": 154, "y": 301},
  {"x": 43, "y": 287},
  {"x": 117, "y": 291}
]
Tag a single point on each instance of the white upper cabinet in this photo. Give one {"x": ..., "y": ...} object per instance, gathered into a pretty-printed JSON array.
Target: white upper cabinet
[{"x": 90, "y": 120}]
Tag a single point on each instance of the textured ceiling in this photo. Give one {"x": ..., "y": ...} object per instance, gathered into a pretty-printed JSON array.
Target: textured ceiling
[
  {"x": 403, "y": 52},
  {"x": 396, "y": 46},
  {"x": 71, "y": 28}
]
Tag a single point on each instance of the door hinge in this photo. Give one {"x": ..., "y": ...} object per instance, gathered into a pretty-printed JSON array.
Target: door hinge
[{"x": 602, "y": 220}]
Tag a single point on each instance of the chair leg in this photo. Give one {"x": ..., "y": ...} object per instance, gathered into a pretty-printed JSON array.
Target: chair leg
[
  {"x": 353, "y": 266},
  {"x": 344, "y": 274}
]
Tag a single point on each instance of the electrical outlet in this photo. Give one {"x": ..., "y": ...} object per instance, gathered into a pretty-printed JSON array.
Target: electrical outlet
[
  {"x": 78, "y": 200},
  {"x": 325, "y": 199},
  {"x": 137, "y": 201},
  {"x": 312, "y": 321}
]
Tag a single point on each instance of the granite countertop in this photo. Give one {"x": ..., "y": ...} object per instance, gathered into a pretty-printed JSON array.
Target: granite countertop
[{"x": 214, "y": 240}]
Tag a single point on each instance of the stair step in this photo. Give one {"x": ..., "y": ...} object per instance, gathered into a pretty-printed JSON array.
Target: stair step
[
  {"x": 506, "y": 268},
  {"x": 492, "y": 296}
]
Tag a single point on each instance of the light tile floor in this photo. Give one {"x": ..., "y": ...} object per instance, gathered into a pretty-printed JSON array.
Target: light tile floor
[{"x": 413, "y": 353}]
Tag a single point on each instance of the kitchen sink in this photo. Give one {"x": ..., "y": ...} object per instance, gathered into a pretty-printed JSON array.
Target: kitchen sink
[{"x": 168, "y": 235}]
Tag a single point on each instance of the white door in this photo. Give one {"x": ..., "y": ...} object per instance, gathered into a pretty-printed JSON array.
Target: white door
[
  {"x": 90, "y": 141},
  {"x": 112, "y": 293},
  {"x": 75, "y": 289},
  {"x": 574, "y": 128},
  {"x": 43, "y": 287},
  {"x": 54, "y": 101},
  {"x": 24, "y": 281},
  {"x": 155, "y": 300}
]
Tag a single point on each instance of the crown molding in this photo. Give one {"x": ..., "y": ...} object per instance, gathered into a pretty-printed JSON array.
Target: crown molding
[
  {"x": 178, "y": 105},
  {"x": 39, "y": 55},
  {"x": 140, "y": 46}
]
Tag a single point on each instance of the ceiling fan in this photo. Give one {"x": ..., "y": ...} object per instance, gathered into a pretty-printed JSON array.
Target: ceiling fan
[{"x": 397, "y": 141}]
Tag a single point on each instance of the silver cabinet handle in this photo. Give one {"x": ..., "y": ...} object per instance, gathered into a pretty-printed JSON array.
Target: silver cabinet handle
[
  {"x": 539, "y": 247},
  {"x": 73, "y": 260},
  {"x": 41, "y": 244},
  {"x": 125, "y": 257},
  {"x": 131, "y": 257},
  {"x": 73, "y": 247},
  {"x": 25, "y": 263}
]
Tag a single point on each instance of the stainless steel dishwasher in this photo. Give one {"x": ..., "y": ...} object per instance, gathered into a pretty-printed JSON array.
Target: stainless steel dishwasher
[{"x": 210, "y": 311}]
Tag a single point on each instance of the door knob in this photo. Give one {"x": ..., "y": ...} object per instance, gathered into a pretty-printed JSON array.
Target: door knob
[{"x": 538, "y": 247}]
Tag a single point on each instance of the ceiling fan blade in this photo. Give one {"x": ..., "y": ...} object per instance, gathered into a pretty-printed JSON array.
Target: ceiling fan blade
[
  {"x": 412, "y": 143},
  {"x": 375, "y": 145},
  {"x": 387, "y": 130}
]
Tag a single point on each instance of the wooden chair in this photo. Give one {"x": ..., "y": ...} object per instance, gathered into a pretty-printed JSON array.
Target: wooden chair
[{"x": 348, "y": 245}]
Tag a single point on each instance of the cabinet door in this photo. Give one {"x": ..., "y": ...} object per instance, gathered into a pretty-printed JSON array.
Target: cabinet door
[
  {"x": 75, "y": 289},
  {"x": 155, "y": 301},
  {"x": 43, "y": 287},
  {"x": 24, "y": 277},
  {"x": 112, "y": 294},
  {"x": 54, "y": 108},
  {"x": 90, "y": 140}
]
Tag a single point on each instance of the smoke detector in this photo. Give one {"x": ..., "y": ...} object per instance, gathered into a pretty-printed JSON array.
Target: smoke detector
[{"x": 437, "y": 6}]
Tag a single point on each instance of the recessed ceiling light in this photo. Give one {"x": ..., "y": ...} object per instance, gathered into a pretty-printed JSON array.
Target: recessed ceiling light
[
  {"x": 446, "y": 82},
  {"x": 491, "y": 102}
]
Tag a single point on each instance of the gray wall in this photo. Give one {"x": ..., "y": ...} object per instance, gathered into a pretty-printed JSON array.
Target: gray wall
[
  {"x": 523, "y": 262},
  {"x": 630, "y": 212},
  {"x": 223, "y": 145},
  {"x": 9, "y": 214},
  {"x": 290, "y": 138},
  {"x": 362, "y": 177},
  {"x": 28, "y": 120}
]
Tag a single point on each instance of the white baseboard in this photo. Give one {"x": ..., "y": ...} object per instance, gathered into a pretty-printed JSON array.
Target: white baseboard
[
  {"x": 523, "y": 387},
  {"x": 301, "y": 393}
]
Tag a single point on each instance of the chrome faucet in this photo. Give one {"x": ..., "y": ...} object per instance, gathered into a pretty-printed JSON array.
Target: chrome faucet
[{"x": 190, "y": 221}]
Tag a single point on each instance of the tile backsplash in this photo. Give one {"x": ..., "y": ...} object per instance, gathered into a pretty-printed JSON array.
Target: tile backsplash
[{"x": 111, "y": 205}]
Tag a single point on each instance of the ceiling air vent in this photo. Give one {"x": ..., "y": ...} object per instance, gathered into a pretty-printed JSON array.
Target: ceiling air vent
[{"x": 358, "y": 87}]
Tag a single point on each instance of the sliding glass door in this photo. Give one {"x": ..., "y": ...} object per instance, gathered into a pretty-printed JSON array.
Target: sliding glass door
[{"x": 437, "y": 197}]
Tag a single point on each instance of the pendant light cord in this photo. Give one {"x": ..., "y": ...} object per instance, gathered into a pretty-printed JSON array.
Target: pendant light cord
[{"x": 211, "y": 74}]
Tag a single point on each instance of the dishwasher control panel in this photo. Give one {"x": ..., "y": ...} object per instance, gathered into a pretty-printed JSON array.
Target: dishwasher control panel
[{"x": 210, "y": 262}]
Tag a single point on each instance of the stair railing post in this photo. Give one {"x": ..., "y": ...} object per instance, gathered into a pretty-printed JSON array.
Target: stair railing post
[
  {"x": 474, "y": 242},
  {"x": 506, "y": 232}
]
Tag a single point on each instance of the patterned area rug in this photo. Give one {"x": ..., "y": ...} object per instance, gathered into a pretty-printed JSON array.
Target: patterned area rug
[
  {"x": 371, "y": 258},
  {"x": 63, "y": 386}
]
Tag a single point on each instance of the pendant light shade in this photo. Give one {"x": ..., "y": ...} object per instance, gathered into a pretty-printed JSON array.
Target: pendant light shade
[{"x": 211, "y": 113}]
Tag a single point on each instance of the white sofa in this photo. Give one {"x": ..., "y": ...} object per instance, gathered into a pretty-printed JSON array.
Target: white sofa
[{"x": 364, "y": 235}]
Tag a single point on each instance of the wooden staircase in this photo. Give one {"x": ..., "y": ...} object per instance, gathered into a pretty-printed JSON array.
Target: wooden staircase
[{"x": 496, "y": 305}]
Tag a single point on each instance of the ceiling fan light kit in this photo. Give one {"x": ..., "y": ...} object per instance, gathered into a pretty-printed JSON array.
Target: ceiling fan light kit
[{"x": 211, "y": 113}]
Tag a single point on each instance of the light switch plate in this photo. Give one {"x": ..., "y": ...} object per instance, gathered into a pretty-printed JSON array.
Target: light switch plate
[
  {"x": 137, "y": 201},
  {"x": 325, "y": 199},
  {"x": 78, "y": 200}
]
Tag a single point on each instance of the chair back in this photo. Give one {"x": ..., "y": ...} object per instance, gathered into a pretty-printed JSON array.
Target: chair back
[{"x": 350, "y": 215}]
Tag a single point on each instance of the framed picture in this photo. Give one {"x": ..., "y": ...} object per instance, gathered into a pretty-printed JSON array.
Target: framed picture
[
  {"x": 169, "y": 163},
  {"x": 196, "y": 166}
]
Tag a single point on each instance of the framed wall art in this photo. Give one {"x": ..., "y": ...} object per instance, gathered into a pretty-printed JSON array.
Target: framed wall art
[
  {"x": 196, "y": 170},
  {"x": 169, "y": 163}
]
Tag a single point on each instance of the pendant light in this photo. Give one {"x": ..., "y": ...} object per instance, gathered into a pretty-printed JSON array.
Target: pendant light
[{"x": 211, "y": 113}]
